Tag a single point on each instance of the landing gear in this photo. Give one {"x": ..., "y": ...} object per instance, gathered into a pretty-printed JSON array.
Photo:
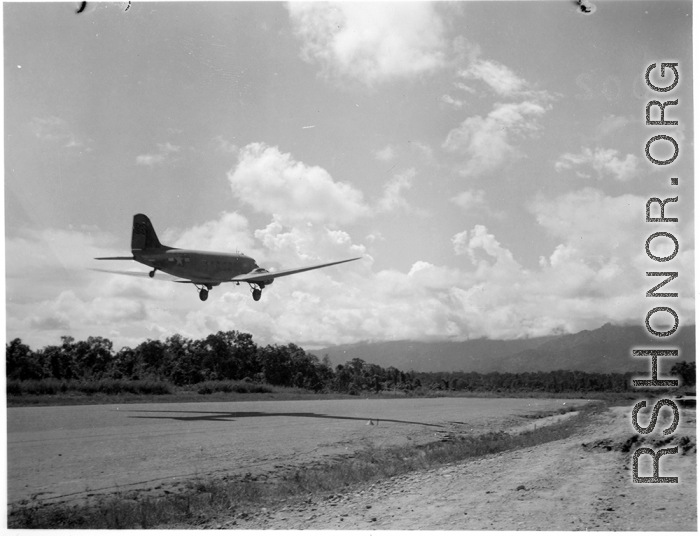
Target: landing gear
[
  {"x": 204, "y": 292},
  {"x": 152, "y": 272},
  {"x": 256, "y": 289}
]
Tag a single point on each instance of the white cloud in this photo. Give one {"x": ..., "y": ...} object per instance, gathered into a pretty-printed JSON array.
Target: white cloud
[
  {"x": 499, "y": 77},
  {"x": 604, "y": 161},
  {"x": 460, "y": 243},
  {"x": 150, "y": 159},
  {"x": 393, "y": 198},
  {"x": 488, "y": 142},
  {"x": 424, "y": 150},
  {"x": 274, "y": 183},
  {"x": 464, "y": 87},
  {"x": 165, "y": 150},
  {"x": 455, "y": 103},
  {"x": 386, "y": 154},
  {"x": 470, "y": 199},
  {"x": 51, "y": 290},
  {"x": 370, "y": 42},
  {"x": 55, "y": 129},
  {"x": 229, "y": 233},
  {"x": 224, "y": 145},
  {"x": 593, "y": 275},
  {"x": 480, "y": 239},
  {"x": 374, "y": 237}
]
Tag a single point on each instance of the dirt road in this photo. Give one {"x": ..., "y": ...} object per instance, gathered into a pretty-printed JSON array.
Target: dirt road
[{"x": 581, "y": 483}]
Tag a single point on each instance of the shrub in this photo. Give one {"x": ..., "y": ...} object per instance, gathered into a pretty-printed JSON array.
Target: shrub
[
  {"x": 52, "y": 386},
  {"x": 224, "y": 386}
]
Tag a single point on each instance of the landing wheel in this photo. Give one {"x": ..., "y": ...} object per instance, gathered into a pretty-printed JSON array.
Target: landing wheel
[
  {"x": 203, "y": 294},
  {"x": 256, "y": 294},
  {"x": 152, "y": 273}
]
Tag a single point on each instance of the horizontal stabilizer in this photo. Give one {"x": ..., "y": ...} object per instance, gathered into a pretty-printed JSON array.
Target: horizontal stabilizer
[
  {"x": 258, "y": 277},
  {"x": 114, "y": 258}
]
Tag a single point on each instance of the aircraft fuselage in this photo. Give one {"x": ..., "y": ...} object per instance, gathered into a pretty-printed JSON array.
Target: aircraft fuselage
[
  {"x": 204, "y": 269},
  {"x": 202, "y": 266}
]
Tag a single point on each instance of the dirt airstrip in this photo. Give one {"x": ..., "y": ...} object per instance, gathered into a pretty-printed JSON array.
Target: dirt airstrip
[
  {"x": 580, "y": 483},
  {"x": 72, "y": 454}
]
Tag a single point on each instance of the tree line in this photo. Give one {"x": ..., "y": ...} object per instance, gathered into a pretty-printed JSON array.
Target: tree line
[
  {"x": 233, "y": 355},
  {"x": 230, "y": 355},
  {"x": 553, "y": 382}
]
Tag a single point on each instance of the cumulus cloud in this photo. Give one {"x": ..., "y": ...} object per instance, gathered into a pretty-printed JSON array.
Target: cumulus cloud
[
  {"x": 165, "y": 151},
  {"x": 50, "y": 290},
  {"x": 228, "y": 233},
  {"x": 393, "y": 198},
  {"x": 499, "y": 77},
  {"x": 488, "y": 142},
  {"x": 592, "y": 275},
  {"x": 460, "y": 243},
  {"x": 603, "y": 161},
  {"x": 480, "y": 239},
  {"x": 273, "y": 182},
  {"x": 370, "y": 42}
]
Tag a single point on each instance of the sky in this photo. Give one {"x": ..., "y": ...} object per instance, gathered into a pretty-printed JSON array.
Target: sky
[{"x": 485, "y": 159}]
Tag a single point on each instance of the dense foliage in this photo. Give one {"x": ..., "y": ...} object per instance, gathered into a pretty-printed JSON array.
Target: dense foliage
[
  {"x": 556, "y": 381},
  {"x": 224, "y": 356},
  {"x": 233, "y": 356}
]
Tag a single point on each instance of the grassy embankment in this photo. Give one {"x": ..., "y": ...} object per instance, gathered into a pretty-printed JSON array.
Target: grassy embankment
[
  {"x": 71, "y": 392},
  {"x": 210, "y": 499}
]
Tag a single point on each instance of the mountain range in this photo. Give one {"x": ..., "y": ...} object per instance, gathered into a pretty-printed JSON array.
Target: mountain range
[{"x": 606, "y": 349}]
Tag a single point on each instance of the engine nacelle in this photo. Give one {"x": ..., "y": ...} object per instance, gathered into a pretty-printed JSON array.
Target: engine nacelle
[{"x": 266, "y": 282}]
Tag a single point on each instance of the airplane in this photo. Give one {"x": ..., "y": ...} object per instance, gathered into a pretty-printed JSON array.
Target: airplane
[{"x": 204, "y": 269}]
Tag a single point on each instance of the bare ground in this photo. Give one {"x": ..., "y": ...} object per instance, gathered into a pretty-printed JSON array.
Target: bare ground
[
  {"x": 580, "y": 483},
  {"x": 74, "y": 454}
]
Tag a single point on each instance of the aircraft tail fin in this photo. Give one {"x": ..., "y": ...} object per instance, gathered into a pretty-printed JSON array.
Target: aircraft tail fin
[{"x": 143, "y": 236}]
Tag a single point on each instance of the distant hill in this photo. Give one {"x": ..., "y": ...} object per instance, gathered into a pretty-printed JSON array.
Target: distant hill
[{"x": 606, "y": 349}]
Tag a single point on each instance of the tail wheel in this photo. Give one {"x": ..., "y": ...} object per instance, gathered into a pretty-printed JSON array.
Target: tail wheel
[
  {"x": 203, "y": 294},
  {"x": 152, "y": 273},
  {"x": 257, "y": 293}
]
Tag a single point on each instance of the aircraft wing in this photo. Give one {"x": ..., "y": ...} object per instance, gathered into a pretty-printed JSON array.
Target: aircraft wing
[
  {"x": 260, "y": 276},
  {"x": 158, "y": 275},
  {"x": 163, "y": 277}
]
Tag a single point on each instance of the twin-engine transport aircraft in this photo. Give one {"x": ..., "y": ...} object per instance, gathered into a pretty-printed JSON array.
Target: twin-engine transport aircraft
[{"x": 204, "y": 269}]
